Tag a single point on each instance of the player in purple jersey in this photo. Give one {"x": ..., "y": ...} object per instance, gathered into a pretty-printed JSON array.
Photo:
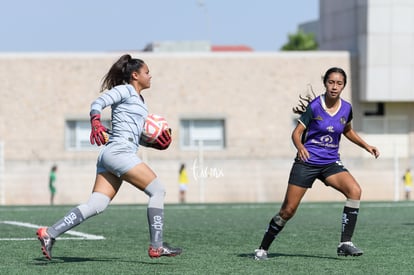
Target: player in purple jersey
[
  {"x": 316, "y": 138},
  {"x": 118, "y": 160}
]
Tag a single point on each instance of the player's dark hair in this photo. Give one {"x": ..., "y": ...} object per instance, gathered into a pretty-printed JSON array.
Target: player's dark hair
[
  {"x": 303, "y": 102},
  {"x": 334, "y": 70},
  {"x": 120, "y": 72}
]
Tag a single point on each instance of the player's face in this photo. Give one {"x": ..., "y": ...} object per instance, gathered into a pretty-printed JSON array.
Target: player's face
[
  {"x": 143, "y": 77},
  {"x": 334, "y": 85}
]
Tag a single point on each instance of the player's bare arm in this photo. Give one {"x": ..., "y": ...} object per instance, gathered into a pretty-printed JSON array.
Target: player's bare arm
[
  {"x": 303, "y": 154},
  {"x": 350, "y": 134}
]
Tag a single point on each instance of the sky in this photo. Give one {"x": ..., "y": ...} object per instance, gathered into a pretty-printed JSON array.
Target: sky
[{"x": 122, "y": 25}]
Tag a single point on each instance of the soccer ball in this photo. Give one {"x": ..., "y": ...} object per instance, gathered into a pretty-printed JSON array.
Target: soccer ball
[{"x": 153, "y": 127}]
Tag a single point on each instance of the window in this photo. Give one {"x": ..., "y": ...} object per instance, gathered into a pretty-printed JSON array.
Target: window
[
  {"x": 77, "y": 134},
  {"x": 210, "y": 132},
  {"x": 385, "y": 125}
]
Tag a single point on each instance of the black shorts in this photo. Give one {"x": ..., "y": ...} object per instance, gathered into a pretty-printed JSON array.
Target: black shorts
[{"x": 304, "y": 174}]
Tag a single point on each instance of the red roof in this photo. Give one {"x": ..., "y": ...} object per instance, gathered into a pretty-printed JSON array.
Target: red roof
[{"x": 230, "y": 48}]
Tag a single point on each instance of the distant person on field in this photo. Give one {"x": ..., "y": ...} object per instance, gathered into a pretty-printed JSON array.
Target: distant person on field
[
  {"x": 118, "y": 161},
  {"x": 183, "y": 182},
  {"x": 408, "y": 183},
  {"x": 323, "y": 120},
  {"x": 52, "y": 187}
]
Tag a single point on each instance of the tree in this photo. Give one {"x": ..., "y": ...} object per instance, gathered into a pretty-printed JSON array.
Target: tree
[{"x": 301, "y": 41}]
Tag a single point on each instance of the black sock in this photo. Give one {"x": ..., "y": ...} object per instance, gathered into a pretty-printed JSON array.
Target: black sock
[
  {"x": 271, "y": 232},
  {"x": 349, "y": 219}
]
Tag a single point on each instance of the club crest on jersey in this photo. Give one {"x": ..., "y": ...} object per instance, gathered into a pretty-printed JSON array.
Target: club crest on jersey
[
  {"x": 318, "y": 118},
  {"x": 342, "y": 120},
  {"x": 326, "y": 139}
]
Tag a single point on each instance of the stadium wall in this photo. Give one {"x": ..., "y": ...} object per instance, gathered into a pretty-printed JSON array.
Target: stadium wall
[{"x": 253, "y": 92}]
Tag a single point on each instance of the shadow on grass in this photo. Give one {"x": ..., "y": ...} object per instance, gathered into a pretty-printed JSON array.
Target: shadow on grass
[
  {"x": 276, "y": 255},
  {"x": 61, "y": 260}
]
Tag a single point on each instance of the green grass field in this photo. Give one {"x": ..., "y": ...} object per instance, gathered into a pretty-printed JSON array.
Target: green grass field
[{"x": 217, "y": 239}]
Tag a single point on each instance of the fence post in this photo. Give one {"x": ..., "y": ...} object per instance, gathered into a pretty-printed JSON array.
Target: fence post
[
  {"x": 201, "y": 164},
  {"x": 2, "y": 189},
  {"x": 396, "y": 175}
]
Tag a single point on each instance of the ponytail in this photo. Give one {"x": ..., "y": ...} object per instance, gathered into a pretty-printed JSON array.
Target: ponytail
[
  {"x": 303, "y": 102},
  {"x": 120, "y": 72}
]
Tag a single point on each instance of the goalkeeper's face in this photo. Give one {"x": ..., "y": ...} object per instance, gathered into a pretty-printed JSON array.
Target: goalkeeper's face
[{"x": 142, "y": 77}]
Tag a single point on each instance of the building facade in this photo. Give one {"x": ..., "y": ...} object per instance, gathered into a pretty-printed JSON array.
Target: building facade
[
  {"x": 231, "y": 115},
  {"x": 380, "y": 37}
]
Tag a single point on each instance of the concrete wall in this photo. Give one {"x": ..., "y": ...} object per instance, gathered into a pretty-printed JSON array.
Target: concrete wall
[
  {"x": 253, "y": 92},
  {"x": 381, "y": 34}
]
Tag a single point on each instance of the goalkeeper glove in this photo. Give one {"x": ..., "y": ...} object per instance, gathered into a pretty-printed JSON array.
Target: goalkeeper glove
[
  {"x": 161, "y": 143},
  {"x": 164, "y": 140},
  {"x": 99, "y": 132}
]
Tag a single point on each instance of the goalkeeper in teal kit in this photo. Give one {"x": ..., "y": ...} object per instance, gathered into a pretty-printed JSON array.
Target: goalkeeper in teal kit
[
  {"x": 316, "y": 137},
  {"x": 118, "y": 160}
]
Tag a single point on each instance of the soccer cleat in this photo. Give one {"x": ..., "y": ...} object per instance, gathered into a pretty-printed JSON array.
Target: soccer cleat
[
  {"x": 46, "y": 241},
  {"x": 164, "y": 250},
  {"x": 260, "y": 254},
  {"x": 348, "y": 249}
]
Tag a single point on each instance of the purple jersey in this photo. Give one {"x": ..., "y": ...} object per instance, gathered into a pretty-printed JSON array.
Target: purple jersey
[{"x": 323, "y": 130}]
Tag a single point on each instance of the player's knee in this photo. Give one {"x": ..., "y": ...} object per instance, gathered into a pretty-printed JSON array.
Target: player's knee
[
  {"x": 156, "y": 191},
  {"x": 96, "y": 204},
  {"x": 354, "y": 192},
  {"x": 155, "y": 188},
  {"x": 287, "y": 212}
]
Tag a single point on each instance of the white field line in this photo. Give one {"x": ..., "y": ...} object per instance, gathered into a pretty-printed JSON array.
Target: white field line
[{"x": 80, "y": 235}]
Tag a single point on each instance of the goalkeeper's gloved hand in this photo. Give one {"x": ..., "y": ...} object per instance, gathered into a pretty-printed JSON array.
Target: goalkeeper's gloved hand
[
  {"x": 99, "y": 132},
  {"x": 163, "y": 141}
]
